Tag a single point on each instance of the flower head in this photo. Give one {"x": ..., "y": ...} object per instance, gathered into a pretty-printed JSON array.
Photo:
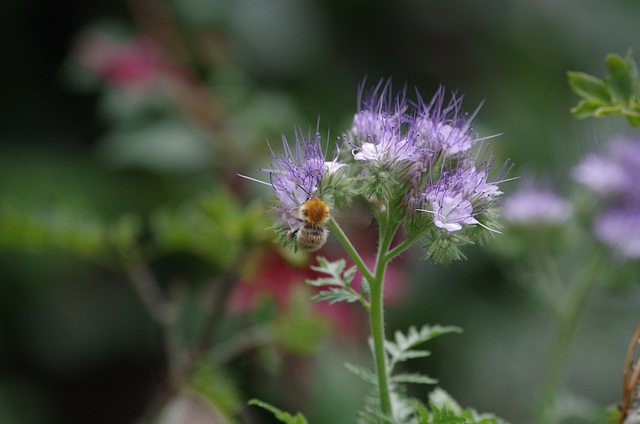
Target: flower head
[
  {"x": 377, "y": 127},
  {"x": 431, "y": 142},
  {"x": 461, "y": 193},
  {"x": 416, "y": 162},
  {"x": 296, "y": 172},
  {"x": 613, "y": 173},
  {"x": 437, "y": 127},
  {"x": 620, "y": 229}
]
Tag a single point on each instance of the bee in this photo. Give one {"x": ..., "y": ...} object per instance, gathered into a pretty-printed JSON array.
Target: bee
[{"x": 308, "y": 228}]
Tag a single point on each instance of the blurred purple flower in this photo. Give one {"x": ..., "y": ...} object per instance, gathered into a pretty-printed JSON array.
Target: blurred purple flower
[
  {"x": 615, "y": 176},
  {"x": 536, "y": 205},
  {"x": 614, "y": 173},
  {"x": 620, "y": 229},
  {"x": 600, "y": 174}
]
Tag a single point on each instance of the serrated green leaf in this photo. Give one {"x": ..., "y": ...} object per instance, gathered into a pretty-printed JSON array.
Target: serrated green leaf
[
  {"x": 620, "y": 80},
  {"x": 349, "y": 274},
  {"x": 444, "y": 408},
  {"x": 365, "y": 289},
  {"x": 336, "y": 294},
  {"x": 334, "y": 268},
  {"x": 320, "y": 282},
  {"x": 589, "y": 86},
  {"x": 413, "y": 378},
  {"x": 426, "y": 333},
  {"x": 443, "y": 416},
  {"x": 280, "y": 415},
  {"x": 440, "y": 399},
  {"x": 402, "y": 350},
  {"x": 413, "y": 354},
  {"x": 367, "y": 375}
]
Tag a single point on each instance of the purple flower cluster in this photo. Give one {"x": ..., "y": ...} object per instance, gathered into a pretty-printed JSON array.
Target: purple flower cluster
[
  {"x": 433, "y": 141},
  {"x": 423, "y": 150},
  {"x": 614, "y": 176}
]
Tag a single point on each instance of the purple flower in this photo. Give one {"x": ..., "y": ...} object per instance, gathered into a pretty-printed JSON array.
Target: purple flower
[
  {"x": 614, "y": 173},
  {"x": 377, "y": 127},
  {"x": 536, "y": 205},
  {"x": 600, "y": 174},
  {"x": 620, "y": 229},
  {"x": 450, "y": 210},
  {"x": 297, "y": 171},
  {"x": 390, "y": 147},
  {"x": 378, "y": 112},
  {"x": 461, "y": 193},
  {"x": 439, "y": 128}
]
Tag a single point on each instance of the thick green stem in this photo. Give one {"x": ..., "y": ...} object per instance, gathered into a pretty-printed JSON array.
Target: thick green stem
[
  {"x": 408, "y": 242},
  {"x": 376, "y": 315},
  {"x": 376, "y": 309},
  {"x": 351, "y": 251}
]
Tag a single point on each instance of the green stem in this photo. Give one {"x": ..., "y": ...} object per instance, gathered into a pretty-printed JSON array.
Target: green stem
[
  {"x": 376, "y": 316},
  {"x": 351, "y": 251},
  {"x": 408, "y": 242},
  {"x": 376, "y": 305},
  {"x": 567, "y": 315}
]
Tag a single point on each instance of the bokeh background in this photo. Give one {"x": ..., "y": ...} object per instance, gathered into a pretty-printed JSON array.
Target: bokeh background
[{"x": 76, "y": 346}]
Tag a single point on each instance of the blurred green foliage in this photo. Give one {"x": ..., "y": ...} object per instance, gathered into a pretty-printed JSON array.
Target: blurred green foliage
[{"x": 616, "y": 94}]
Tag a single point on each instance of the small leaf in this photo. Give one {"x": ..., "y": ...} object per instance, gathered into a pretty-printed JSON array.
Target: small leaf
[
  {"x": 365, "y": 289},
  {"x": 413, "y": 378},
  {"x": 334, "y": 268},
  {"x": 401, "y": 350},
  {"x": 280, "y": 415},
  {"x": 320, "y": 282},
  {"x": 365, "y": 374},
  {"x": 413, "y": 354},
  {"x": 442, "y": 416},
  {"x": 349, "y": 274},
  {"x": 620, "y": 80},
  {"x": 336, "y": 294},
  {"x": 589, "y": 87},
  {"x": 585, "y": 108}
]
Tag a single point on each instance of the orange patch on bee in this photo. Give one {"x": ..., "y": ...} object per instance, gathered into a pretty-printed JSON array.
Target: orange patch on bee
[{"x": 315, "y": 212}]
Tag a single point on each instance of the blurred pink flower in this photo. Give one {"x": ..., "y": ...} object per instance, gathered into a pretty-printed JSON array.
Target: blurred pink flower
[
  {"x": 276, "y": 277},
  {"x": 138, "y": 63}
]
